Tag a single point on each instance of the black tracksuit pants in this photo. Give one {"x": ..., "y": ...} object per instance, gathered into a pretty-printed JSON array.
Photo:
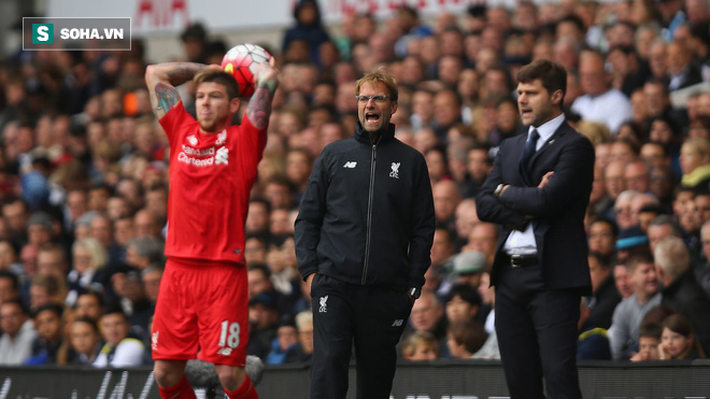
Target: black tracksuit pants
[{"x": 373, "y": 317}]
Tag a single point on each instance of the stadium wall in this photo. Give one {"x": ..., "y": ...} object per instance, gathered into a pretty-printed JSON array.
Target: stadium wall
[{"x": 442, "y": 379}]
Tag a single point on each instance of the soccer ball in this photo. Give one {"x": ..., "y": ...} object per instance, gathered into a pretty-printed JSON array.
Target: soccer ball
[{"x": 241, "y": 62}]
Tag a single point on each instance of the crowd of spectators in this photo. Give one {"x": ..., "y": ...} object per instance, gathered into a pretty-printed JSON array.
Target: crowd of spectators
[{"x": 84, "y": 182}]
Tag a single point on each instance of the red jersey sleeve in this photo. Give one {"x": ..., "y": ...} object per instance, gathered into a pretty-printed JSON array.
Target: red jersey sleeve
[{"x": 173, "y": 121}]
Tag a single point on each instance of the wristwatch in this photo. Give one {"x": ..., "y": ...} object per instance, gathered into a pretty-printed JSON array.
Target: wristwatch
[
  {"x": 498, "y": 190},
  {"x": 414, "y": 292}
]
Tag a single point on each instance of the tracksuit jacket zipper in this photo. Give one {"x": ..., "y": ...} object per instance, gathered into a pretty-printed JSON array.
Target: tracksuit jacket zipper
[{"x": 370, "y": 199}]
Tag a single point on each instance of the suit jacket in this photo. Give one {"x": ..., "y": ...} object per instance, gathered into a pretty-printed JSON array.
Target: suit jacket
[{"x": 556, "y": 211}]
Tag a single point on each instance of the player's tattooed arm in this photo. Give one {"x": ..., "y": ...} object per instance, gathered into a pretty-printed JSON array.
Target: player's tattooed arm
[
  {"x": 161, "y": 80},
  {"x": 167, "y": 96},
  {"x": 259, "y": 108}
]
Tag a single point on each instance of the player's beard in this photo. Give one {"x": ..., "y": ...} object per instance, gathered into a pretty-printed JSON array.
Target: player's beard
[{"x": 214, "y": 125}]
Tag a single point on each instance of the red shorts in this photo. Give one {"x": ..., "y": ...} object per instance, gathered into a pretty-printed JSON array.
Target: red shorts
[{"x": 202, "y": 305}]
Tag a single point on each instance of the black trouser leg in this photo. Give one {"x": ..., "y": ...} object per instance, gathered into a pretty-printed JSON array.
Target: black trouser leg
[
  {"x": 381, "y": 315},
  {"x": 332, "y": 338},
  {"x": 518, "y": 346},
  {"x": 556, "y": 314}
]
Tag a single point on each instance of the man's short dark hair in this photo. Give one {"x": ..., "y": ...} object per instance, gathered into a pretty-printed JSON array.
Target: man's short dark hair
[
  {"x": 666, "y": 219},
  {"x": 466, "y": 292},
  {"x": 552, "y": 75},
  {"x": 637, "y": 259},
  {"x": 218, "y": 76},
  {"x": 99, "y": 298},
  {"x": 55, "y": 308},
  {"x": 612, "y": 225},
  {"x": 575, "y": 20},
  {"x": 115, "y": 310},
  {"x": 88, "y": 320},
  {"x": 19, "y": 304},
  {"x": 262, "y": 268},
  {"x": 12, "y": 277},
  {"x": 650, "y": 330}
]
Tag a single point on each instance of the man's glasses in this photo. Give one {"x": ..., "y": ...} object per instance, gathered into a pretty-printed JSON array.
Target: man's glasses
[{"x": 378, "y": 99}]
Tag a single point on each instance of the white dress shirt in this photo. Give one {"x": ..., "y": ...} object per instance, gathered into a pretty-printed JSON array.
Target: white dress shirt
[{"x": 523, "y": 242}]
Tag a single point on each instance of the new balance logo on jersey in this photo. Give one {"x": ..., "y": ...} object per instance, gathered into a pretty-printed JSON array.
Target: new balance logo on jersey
[
  {"x": 222, "y": 156},
  {"x": 323, "y": 304},
  {"x": 221, "y": 137},
  {"x": 398, "y": 323},
  {"x": 395, "y": 170},
  {"x": 350, "y": 165},
  {"x": 192, "y": 140},
  {"x": 225, "y": 351}
]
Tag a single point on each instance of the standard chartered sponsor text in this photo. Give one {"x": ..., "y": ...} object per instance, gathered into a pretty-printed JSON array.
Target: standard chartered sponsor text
[
  {"x": 91, "y": 33},
  {"x": 200, "y": 152},
  {"x": 184, "y": 158}
]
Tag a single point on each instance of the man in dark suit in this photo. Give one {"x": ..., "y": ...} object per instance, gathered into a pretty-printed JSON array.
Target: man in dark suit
[{"x": 538, "y": 191}]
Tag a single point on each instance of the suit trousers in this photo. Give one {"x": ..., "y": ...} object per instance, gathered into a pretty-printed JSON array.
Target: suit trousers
[
  {"x": 537, "y": 335},
  {"x": 371, "y": 317}
]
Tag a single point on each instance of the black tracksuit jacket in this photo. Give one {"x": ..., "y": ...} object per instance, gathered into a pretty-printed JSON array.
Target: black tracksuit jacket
[{"x": 367, "y": 213}]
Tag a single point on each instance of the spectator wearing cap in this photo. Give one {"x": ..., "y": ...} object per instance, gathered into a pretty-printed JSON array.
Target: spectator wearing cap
[
  {"x": 468, "y": 267},
  {"x": 263, "y": 320},
  {"x": 631, "y": 241}
]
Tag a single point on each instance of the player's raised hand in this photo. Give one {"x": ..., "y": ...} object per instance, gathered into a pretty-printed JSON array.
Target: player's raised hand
[{"x": 267, "y": 75}]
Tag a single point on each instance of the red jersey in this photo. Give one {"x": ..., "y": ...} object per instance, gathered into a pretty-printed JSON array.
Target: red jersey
[{"x": 211, "y": 176}]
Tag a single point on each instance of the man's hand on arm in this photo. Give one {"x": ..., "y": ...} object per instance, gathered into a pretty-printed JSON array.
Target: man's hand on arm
[
  {"x": 545, "y": 179},
  {"x": 161, "y": 80}
]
